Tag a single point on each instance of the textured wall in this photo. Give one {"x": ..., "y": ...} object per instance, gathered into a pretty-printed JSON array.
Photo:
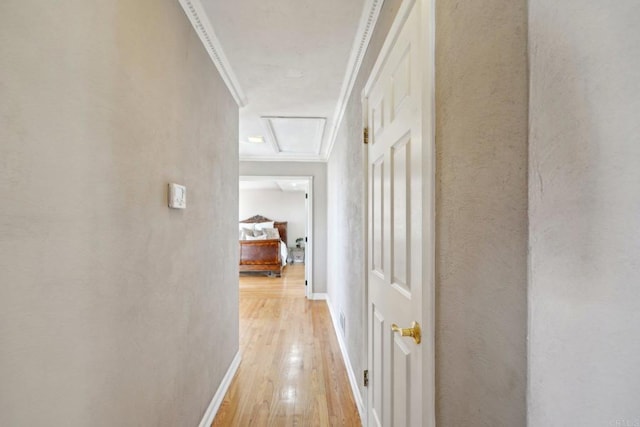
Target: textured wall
[
  {"x": 584, "y": 199},
  {"x": 481, "y": 212},
  {"x": 114, "y": 309},
  {"x": 279, "y": 205},
  {"x": 346, "y": 213},
  {"x": 319, "y": 173}
]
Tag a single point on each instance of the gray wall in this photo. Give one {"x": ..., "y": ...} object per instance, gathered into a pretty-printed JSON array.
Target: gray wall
[
  {"x": 114, "y": 309},
  {"x": 481, "y": 212},
  {"x": 319, "y": 172},
  {"x": 584, "y": 213},
  {"x": 346, "y": 213}
]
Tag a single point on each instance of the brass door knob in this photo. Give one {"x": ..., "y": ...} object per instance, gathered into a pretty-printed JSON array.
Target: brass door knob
[{"x": 414, "y": 331}]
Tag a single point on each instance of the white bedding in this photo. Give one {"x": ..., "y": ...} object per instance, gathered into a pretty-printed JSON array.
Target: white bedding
[{"x": 284, "y": 252}]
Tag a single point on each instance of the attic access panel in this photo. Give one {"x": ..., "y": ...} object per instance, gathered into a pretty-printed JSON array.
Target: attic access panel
[{"x": 296, "y": 135}]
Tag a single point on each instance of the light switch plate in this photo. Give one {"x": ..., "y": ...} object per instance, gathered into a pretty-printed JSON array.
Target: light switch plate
[{"x": 177, "y": 196}]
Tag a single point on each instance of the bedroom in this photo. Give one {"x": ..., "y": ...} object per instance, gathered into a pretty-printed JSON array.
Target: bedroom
[{"x": 273, "y": 221}]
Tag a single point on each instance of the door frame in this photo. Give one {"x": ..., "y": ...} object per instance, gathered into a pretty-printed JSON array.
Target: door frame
[
  {"x": 308, "y": 250},
  {"x": 427, "y": 44}
]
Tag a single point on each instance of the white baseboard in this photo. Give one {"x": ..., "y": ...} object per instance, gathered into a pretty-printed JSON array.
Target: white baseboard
[
  {"x": 212, "y": 410},
  {"x": 319, "y": 296},
  {"x": 347, "y": 362}
]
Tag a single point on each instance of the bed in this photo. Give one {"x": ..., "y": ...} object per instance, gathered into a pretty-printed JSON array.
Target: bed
[{"x": 258, "y": 253}]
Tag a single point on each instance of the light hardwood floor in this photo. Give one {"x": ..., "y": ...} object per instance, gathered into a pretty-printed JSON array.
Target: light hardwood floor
[{"x": 292, "y": 372}]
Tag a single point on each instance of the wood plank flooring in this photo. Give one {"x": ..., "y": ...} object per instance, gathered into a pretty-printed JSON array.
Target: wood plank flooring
[{"x": 292, "y": 372}]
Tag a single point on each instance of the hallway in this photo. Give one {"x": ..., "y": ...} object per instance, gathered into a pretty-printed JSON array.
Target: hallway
[
  {"x": 501, "y": 204},
  {"x": 292, "y": 372}
]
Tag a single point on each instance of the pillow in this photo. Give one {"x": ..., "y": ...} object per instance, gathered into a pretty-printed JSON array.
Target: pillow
[
  {"x": 263, "y": 225},
  {"x": 254, "y": 233},
  {"x": 245, "y": 232},
  {"x": 246, "y": 225},
  {"x": 272, "y": 233},
  {"x": 256, "y": 236}
]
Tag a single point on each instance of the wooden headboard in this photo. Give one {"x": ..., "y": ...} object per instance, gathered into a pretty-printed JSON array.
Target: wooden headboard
[{"x": 281, "y": 226}]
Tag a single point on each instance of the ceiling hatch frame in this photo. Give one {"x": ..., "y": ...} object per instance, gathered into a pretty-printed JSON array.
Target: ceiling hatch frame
[{"x": 275, "y": 133}]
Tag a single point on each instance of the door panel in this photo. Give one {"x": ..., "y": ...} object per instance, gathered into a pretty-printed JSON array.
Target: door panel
[
  {"x": 401, "y": 382},
  {"x": 395, "y": 203},
  {"x": 377, "y": 118},
  {"x": 401, "y": 82},
  {"x": 377, "y": 200},
  {"x": 376, "y": 385},
  {"x": 401, "y": 222}
]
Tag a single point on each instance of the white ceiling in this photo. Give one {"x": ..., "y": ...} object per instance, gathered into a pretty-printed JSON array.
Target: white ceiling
[{"x": 290, "y": 64}]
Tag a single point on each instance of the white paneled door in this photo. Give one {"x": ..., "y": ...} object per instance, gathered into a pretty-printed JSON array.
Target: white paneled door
[{"x": 400, "y": 240}]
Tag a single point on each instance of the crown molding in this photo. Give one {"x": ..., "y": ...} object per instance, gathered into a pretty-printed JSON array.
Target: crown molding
[
  {"x": 370, "y": 14},
  {"x": 200, "y": 22},
  {"x": 282, "y": 157}
]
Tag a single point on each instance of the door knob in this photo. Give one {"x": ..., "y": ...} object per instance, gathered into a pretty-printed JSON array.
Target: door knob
[{"x": 413, "y": 332}]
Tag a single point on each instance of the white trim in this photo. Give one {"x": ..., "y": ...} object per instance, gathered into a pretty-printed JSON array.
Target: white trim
[
  {"x": 200, "y": 22},
  {"x": 347, "y": 363},
  {"x": 365, "y": 265},
  {"x": 275, "y": 143},
  {"x": 308, "y": 247},
  {"x": 389, "y": 42},
  {"x": 213, "y": 407},
  {"x": 428, "y": 44},
  {"x": 283, "y": 157},
  {"x": 368, "y": 20},
  {"x": 271, "y": 134},
  {"x": 321, "y": 296}
]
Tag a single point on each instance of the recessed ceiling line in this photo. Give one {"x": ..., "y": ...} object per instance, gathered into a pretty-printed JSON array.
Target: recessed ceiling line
[
  {"x": 271, "y": 134},
  {"x": 291, "y": 134}
]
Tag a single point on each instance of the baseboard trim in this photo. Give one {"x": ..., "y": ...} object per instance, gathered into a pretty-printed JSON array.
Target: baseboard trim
[
  {"x": 213, "y": 407},
  {"x": 319, "y": 296},
  {"x": 347, "y": 362}
]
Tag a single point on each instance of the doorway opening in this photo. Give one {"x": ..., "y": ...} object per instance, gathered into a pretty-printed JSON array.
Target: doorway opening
[{"x": 284, "y": 199}]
